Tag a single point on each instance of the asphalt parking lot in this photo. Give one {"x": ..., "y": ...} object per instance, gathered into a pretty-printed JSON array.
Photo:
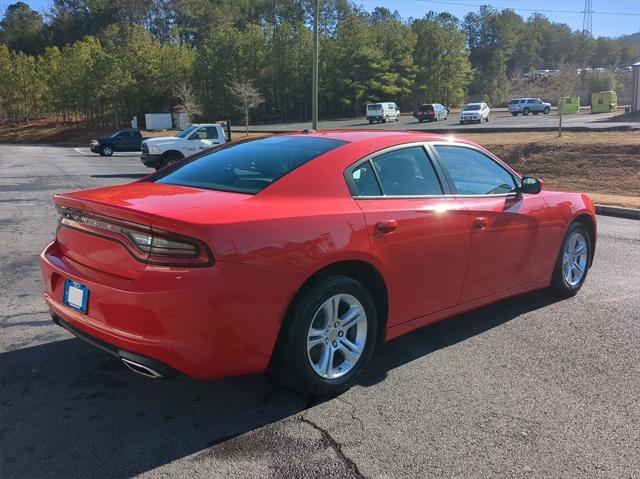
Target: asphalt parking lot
[
  {"x": 529, "y": 387},
  {"x": 500, "y": 120}
]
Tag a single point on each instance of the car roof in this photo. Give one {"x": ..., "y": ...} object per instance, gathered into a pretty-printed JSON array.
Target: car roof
[{"x": 387, "y": 137}]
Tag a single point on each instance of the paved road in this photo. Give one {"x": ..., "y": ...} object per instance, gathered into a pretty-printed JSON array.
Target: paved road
[
  {"x": 500, "y": 121},
  {"x": 529, "y": 387}
]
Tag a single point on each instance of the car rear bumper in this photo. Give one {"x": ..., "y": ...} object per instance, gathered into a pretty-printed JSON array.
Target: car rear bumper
[{"x": 196, "y": 321}]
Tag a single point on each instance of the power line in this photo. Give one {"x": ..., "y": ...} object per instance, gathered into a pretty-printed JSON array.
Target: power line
[{"x": 625, "y": 14}]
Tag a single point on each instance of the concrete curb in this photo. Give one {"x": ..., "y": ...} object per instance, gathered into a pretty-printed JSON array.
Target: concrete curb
[{"x": 618, "y": 211}]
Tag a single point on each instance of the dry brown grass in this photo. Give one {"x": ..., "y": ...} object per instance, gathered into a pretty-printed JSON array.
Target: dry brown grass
[{"x": 605, "y": 165}]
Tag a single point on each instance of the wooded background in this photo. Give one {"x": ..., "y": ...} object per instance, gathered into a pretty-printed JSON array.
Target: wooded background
[{"x": 102, "y": 61}]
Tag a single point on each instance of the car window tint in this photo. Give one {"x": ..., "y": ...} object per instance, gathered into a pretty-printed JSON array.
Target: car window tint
[
  {"x": 212, "y": 133},
  {"x": 365, "y": 181},
  {"x": 474, "y": 173},
  {"x": 247, "y": 167},
  {"x": 407, "y": 171}
]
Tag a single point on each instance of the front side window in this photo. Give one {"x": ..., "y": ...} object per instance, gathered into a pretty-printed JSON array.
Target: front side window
[
  {"x": 247, "y": 167},
  {"x": 207, "y": 133},
  {"x": 473, "y": 172},
  {"x": 407, "y": 172}
]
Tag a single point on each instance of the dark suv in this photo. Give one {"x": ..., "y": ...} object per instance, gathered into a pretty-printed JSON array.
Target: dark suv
[
  {"x": 431, "y": 112},
  {"x": 123, "y": 140}
]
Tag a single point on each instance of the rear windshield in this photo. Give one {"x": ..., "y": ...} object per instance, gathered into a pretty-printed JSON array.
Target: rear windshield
[
  {"x": 374, "y": 107},
  {"x": 472, "y": 107},
  {"x": 426, "y": 108},
  {"x": 250, "y": 166},
  {"x": 513, "y": 102}
]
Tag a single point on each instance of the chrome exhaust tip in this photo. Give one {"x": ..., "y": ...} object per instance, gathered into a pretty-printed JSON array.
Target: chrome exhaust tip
[{"x": 141, "y": 369}]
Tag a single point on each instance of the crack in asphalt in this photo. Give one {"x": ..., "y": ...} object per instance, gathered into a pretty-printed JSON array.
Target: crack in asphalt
[
  {"x": 353, "y": 412},
  {"x": 330, "y": 441}
]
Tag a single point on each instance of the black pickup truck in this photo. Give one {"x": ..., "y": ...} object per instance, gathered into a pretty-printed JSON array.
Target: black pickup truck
[{"x": 123, "y": 140}]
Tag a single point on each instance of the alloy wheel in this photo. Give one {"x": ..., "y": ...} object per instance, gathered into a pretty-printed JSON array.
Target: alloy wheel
[
  {"x": 574, "y": 259},
  {"x": 337, "y": 336}
]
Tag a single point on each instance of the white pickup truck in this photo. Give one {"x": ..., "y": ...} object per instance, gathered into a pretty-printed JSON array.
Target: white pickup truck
[{"x": 166, "y": 150}]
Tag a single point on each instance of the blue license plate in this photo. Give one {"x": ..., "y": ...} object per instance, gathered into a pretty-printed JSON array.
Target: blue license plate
[{"x": 76, "y": 295}]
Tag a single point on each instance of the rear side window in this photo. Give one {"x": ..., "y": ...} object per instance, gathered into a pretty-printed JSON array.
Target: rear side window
[
  {"x": 365, "y": 181},
  {"x": 473, "y": 172},
  {"x": 407, "y": 171},
  {"x": 250, "y": 166}
]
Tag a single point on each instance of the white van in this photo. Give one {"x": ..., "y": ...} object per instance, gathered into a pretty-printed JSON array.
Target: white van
[{"x": 382, "y": 112}]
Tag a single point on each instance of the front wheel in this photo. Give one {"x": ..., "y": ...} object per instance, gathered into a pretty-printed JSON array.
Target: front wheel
[
  {"x": 573, "y": 261},
  {"x": 106, "y": 150},
  {"x": 546, "y": 110},
  {"x": 329, "y": 338}
]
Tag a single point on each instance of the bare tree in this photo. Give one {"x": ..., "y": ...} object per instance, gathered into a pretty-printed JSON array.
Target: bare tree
[
  {"x": 564, "y": 84},
  {"x": 249, "y": 96},
  {"x": 187, "y": 102}
]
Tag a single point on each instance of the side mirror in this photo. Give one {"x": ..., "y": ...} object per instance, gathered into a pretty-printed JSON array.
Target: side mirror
[{"x": 531, "y": 185}]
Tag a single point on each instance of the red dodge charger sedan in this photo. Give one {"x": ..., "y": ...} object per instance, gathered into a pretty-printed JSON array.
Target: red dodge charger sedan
[{"x": 302, "y": 252}]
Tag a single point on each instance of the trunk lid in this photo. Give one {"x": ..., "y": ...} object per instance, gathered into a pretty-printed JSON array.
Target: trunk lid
[{"x": 92, "y": 243}]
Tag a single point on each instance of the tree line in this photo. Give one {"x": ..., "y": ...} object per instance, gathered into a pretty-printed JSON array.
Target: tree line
[{"x": 104, "y": 61}]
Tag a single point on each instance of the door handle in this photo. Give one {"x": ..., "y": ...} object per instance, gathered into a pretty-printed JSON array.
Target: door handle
[
  {"x": 387, "y": 226},
  {"x": 481, "y": 222}
]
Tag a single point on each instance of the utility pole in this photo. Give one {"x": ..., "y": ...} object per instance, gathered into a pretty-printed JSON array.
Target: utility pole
[
  {"x": 587, "y": 19},
  {"x": 314, "y": 80}
]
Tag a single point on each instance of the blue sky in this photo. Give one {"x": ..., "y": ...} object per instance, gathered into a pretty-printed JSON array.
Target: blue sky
[{"x": 607, "y": 25}]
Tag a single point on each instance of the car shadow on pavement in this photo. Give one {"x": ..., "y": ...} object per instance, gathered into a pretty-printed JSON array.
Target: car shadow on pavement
[
  {"x": 450, "y": 331},
  {"x": 69, "y": 410}
]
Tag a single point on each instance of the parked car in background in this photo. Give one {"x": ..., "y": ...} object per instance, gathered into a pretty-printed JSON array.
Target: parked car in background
[
  {"x": 382, "y": 112},
  {"x": 474, "y": 113},
  {"x": 166, "y": 150},
  {"x": 528, "y": 105},
  {"x": 123, "y": 140},
  {"x": 301, "y": 253},
  {"x": 431, "y": 112}
]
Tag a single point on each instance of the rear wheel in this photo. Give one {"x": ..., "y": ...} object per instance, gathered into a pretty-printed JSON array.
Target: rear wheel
[
  {"x": 329, "y": 338},
  {"x": 514, "y": 113},
  {"x": 573, "y": 261},
  {"x": 525, "y": 112}
]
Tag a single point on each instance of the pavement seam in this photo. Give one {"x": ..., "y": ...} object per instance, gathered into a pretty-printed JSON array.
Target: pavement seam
[{"x": 329, "y": 440}]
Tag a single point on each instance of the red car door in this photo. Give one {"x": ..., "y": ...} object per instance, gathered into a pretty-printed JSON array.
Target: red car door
[
  {"x": 508, "y": 234},
  {"x": 419, "y": 238}
]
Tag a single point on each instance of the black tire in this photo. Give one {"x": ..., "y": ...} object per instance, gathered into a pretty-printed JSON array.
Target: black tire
[
  {"x": 514, "y": 113},
  {"x": 171, "y": 158},
  {"x": 546, "y": 110},
  {"x": 525, "y": 112},
  {"x": 106, "y": 150},
  {"x": 371, "y": 122},
  {"x": 420, "y": 120},
  {"x": 385, "y": 120},
  {"x": 559, "y": 283},
  {"x": 487, "y": 119},
  {"x": 292, "y": 365}
]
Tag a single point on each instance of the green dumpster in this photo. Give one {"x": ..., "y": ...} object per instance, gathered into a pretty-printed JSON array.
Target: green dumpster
[
  {"x": 570, "y": 104},
  {"x": 604, "y": 102}
]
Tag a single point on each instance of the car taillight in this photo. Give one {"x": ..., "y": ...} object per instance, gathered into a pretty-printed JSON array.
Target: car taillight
[{"x": 144, "y": 243}]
